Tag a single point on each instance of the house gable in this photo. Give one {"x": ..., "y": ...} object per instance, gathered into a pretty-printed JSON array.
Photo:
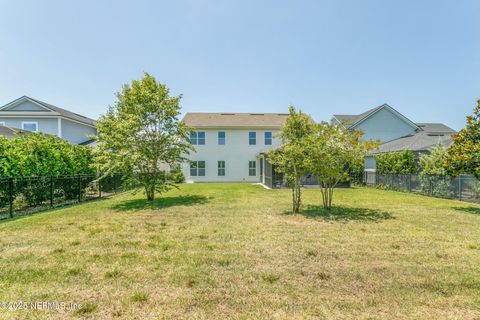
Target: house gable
[
  {"x": 25, "y": 104},
  {"x": 385, "y": 124}
]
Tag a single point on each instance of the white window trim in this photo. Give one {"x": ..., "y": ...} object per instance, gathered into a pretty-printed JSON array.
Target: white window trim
[
  {"x": 30, "y": 122},
  {"x": 59, "y": 130}
]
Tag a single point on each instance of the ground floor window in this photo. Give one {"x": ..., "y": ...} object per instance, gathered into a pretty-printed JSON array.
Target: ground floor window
[
  {"x": 221, "y": 168},
  {"x": 252, "y": 168},
  {"x": 197, "y": 168}
]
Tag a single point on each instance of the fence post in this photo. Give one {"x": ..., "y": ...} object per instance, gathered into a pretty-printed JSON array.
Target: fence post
[
  {"x": 460, "y": 187},
  {"x": 99, "y": 188},
  {"x": 51, "y": 191},
  {"x": 409, "y": 182},
  {"x": 79, "y": 188},
  {"x": 431, "y": 185},
  {"x": 10, "y": 196}
]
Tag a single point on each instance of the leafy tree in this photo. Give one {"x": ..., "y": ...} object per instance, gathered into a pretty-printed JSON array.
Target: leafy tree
[
  {"x": 141, "y": 134},
  {"x": 463, "y": 156},
  {"x": 290, "y": 158},
  {"x": 396, "y": 162},
  {"x": 331, "y": 151}
]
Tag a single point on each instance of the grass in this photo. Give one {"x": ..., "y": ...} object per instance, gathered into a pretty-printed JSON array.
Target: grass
[{"x": 233, "y": 251}]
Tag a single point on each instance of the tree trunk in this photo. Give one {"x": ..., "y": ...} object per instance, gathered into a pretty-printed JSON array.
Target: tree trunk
[
  {"x": 296, "y": 197},
  {"x": 299, "y": 197},
  {"x": 327, "y": 196},
  {"x": 150, "y": 191}
]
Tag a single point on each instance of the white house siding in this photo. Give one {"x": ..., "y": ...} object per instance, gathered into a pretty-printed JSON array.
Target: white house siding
[
  {"x": 370, "y": 163},
  {"x": 45, "y": 125},
  {"x": 385, "y": 126},
  {"x": 236, "y": 153},
  {"x": 75, "y": 132}
]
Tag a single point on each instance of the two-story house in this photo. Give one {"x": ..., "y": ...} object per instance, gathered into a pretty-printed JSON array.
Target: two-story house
[
  {"x": 30, "y": 114},
  {"x": 395, "y": 131},
  {"x": 231, "y": 146}
]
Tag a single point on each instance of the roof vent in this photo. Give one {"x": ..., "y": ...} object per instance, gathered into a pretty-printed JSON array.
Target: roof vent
[{"x": 435, "y": 134}]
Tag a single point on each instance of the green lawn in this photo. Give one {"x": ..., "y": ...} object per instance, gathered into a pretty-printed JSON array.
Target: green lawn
[{"x": 234, "y": 251}]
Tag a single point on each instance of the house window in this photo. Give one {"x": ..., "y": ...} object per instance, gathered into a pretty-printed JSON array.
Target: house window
[
  {"x": 197, "y": 137},
  {"x": 252, "y": 168},
  {"x": 30, "y": 126},
  {"x": 268, "y": 138},
  {"x": 221, "y": 168},
  {"x": 2, "y": 123},
  {"x": 221, "y": 137},
  {"x": 252, "y": 138},
  {"x": 197, "y": 168}
]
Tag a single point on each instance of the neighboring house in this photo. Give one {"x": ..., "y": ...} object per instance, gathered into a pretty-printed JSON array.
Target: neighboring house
[
  {"x": 395, "y": 131},
  {"x": 29, "y": 114},
  {"x": 231, "y": 146}
]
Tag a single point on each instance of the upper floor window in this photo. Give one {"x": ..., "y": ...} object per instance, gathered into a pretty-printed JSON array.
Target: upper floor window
[
  {"x": 221, "y": 137},
  {"x": 197, "y": 137},
  {"x": 252, "y": 168},
  {"x": 221, "y": 168},
  {"x": 197, "y": 168},
  {"x": 268, "y": 138},
  {"x": 30, "y": 126},
  {"x": 252, "y": 138}
]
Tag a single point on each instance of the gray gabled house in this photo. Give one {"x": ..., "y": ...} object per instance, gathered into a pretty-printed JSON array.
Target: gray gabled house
[
  {"x": 395, "y": 131},
  {"x": 30, "y": 114}
]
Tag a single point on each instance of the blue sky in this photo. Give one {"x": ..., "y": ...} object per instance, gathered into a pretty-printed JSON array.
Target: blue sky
[{"x": 326, "y": 57}]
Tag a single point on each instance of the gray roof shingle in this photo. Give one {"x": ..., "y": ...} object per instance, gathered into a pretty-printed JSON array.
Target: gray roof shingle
[
  {"x": 66, "y": 113},
  {"x": 430, "y": 135},
  {"x": 235, "y": 120}
]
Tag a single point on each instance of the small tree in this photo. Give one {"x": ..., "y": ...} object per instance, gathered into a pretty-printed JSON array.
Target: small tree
[
  {"x": 463, "y": 156},
  {"x": 290, "y": 158},
  {"x": 141, "y": 134},
  {"x": 331, "y": 151}
]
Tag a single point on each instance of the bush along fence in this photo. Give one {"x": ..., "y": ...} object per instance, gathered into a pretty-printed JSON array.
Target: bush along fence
[
  {"x": 462, "y": 187},
  {"x": 27, "y": 195}
]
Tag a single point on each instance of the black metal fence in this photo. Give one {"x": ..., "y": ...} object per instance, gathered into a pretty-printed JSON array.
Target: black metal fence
[
  {"x": 462, "y": 187},
  {"x": 26, "y": 195}
]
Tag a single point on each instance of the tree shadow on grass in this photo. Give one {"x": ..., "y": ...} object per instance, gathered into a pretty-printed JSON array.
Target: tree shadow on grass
[
  {"x": 160, "y": 203},
  {"x": 341, "y": 213},
  {"x": 472, "y": 210}
]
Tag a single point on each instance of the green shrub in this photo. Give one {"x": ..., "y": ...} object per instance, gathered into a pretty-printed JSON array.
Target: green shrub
[
  {"x": 176, "y": 176},
  {"x": 35, "y": 154},
  {"x": 396, "y": 162},
  {"x": 38, "y": 155}
]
